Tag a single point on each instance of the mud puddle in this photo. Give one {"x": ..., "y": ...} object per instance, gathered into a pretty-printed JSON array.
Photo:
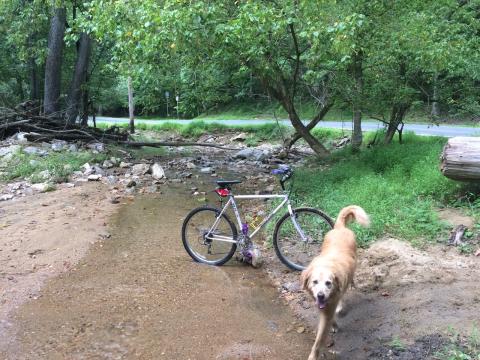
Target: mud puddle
[{"x": 137, "y": 295}]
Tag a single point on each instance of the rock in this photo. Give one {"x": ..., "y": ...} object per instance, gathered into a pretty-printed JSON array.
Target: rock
[
  {"x": 33, "y": 150},
  {"x": 94, "y": 177},
  {"x": 97, "y": 147},
  {"x": 67, "y": 167},
  {"x": 98, "y": 170},
  {"x": 251, "y": 154},
  {"x": 112, "y": 179},
  {"x": 131, "y": 183},
  {"x": 73, "y": 148},
  {"x": 87, "y": 169},
  {"x": 34, "y": 162},
  {"x": 191, "y": 165},
  {"x": 140, "y": 169},
  {"x": 107, "y": 164},
  {"x": 43, "y": 187},
  {"x": 20, "y": 137},
  {"x": 125, "y": 165},
  {"x": 206, "y": 170},
  {"x": 58, "y": 145},
  {"x": 157, "y": 171},
  {"x": 6, "y": 197},
  {"x": 115, "y": 199},
  {"x": 45, "y": 174},
  {"x": 300, "y": 330},
  {"x": 292, "y": 286},
  {"x": 9, "y": 150},
  {"x": 115, "y": 161},
  {"x": 239, "y": 137}
]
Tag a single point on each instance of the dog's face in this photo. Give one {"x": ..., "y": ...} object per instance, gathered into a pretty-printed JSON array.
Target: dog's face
[{"x": 321, "y": 283}]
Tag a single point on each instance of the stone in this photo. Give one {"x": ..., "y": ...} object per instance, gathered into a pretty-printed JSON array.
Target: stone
[
  {"x": 125, "y": 165},
  {"x": 269, "y": 189},
  {"x": 6, "y": 197},
  {"x": 34, "y": 162},
  {"x": 131, "y": 183},
  {"x": 45, "y": 174},
  {"x": 115, "y": 161},
  {"x": 33, "y": 150},
  {"x": 58, "y": 145},
  {"x": 251, "y": 154},
  {"x": 112, "y": 179},
  {"x": 191, "y": 165},
  {"x": 97, "y": 147},
  {"x": 73, "y": 148},
  {"x": 98, "y": 170},
  {"x": 239, "y": 137},
  {"x": 6, "y": 150},
  {"x": 42, "y": 187},
  {"x": 94, "y": 177},
  {"x": 157, "y": 171},
  {"x": 20, "y": 137},
  {"x": 87, "y": 169},
  {"x": 206, "y": 170},
  {"x": 292, "y": 286},
  {"x": 107, "y": 164},
  {"x": 140, "y": 169}
]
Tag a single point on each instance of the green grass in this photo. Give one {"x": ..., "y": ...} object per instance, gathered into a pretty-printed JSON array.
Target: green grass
[
  {"x": 399, "y": 185},
  {"x": 461, "y": 348},
  {"x": 59, "y": 165}
]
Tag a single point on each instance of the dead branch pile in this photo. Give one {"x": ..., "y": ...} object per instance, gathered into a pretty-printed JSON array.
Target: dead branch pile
[{"x": 25, "y": 118}]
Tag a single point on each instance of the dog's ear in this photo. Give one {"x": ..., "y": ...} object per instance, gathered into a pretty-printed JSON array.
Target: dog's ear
[{"x": 305, "y": 278}]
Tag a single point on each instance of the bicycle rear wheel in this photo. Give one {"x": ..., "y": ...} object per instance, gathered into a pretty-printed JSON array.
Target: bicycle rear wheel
[
  {"x": 289, "y": 246},
  {"x": 204, "y": 243}
]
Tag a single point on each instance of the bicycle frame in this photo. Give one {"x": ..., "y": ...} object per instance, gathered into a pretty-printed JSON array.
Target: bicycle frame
[{"x": 231, "y": 202}]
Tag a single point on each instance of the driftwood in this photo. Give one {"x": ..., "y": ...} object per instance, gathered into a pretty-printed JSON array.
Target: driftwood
[
  {"x": 25, "y": 118},
  {"x": 176, "y": 143},
  {"x": 460, "y": 159}
]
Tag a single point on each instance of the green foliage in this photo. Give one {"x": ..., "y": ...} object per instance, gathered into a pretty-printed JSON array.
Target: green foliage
[
  {"x": 461, "y": 348},
  {"x": 398, "y": 185}
]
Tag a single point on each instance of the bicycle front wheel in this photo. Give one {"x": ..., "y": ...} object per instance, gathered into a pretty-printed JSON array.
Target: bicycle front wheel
[
  {"x": 291, "y": 248},
  {"x": 206, "y": 243}
]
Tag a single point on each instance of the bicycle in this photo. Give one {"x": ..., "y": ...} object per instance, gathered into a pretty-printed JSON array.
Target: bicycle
[{"x": 297, "y": 237}]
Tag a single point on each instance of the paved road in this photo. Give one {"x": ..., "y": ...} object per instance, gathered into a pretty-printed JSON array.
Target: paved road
[{"x": 419, "y": 129}]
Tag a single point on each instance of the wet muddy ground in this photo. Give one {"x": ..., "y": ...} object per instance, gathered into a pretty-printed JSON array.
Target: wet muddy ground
[{"x": 137, "y": 295}]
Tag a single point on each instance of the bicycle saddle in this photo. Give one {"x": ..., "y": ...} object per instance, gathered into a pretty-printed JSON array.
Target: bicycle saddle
[{"x": 222, "y": 184}]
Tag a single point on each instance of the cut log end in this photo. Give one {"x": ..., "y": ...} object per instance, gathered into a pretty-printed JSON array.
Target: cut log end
[{"x": 460, "y": 159}]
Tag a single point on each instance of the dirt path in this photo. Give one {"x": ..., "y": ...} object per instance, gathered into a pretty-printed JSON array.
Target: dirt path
[{"x": 138, "y": 295}]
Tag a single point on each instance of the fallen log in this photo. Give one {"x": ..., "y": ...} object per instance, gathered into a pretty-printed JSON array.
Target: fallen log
[
  {"x": 176, "y": 143},
  {"x": 460, "y": 159}
]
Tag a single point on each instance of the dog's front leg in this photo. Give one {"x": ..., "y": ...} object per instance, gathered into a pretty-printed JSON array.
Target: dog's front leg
[{"x": 323, "y": 325}]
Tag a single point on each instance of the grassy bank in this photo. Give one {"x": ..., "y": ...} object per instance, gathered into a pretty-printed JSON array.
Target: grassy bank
[
  {"x": 399, "y": 185},
  {"x": 56, "y": 166}
]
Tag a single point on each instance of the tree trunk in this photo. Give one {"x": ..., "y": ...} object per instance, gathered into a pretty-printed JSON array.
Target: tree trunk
[
  {"x": 321, "y": 114},
  {"x": 302, "y": 130},
  {"x": 79, "y": 78},
  {"x": 131, "y": 106},
  {"x": 460, "y": 159},
  {"x": 396, "y": 118},
  {"x": 34, "y": 89},
  {"x": 435, "y": 107},
  {"x": 53, "y": 66},
  {"x": 20, "y": 91},
  {"x": 357, "y": 69}
]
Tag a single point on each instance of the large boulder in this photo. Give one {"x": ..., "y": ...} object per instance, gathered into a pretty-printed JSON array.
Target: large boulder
[
  {"x": 157, "y": 171},
  {"x": 140, "y": 169},
  {"x": 252, "y": 154}
]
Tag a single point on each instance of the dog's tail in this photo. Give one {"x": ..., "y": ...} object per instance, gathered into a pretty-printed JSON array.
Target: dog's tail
[{"x": 352, "y": 213}]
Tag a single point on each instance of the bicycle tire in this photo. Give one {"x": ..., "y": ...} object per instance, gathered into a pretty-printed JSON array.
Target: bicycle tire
[
  {"x": 306, "y": 258},
  {"x": 194, "y": 254}
]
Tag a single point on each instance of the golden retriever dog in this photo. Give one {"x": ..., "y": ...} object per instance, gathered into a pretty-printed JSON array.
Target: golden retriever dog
[{"x": 331, "y": 272}]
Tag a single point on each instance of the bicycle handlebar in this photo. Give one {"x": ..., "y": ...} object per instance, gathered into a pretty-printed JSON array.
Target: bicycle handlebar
[{"x": 286, "y": 173}]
